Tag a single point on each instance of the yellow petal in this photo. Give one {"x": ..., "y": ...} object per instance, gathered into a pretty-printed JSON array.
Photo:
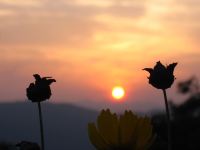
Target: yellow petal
[
  {"x": 96, "y": 138},
  {"x": 128, "y": 124},
  {"x": 144, "y": 130},
  {"x": 108, "y": 126}
]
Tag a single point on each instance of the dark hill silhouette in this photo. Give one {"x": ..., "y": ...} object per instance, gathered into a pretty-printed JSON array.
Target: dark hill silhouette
[{"x": 65, "y": 124}]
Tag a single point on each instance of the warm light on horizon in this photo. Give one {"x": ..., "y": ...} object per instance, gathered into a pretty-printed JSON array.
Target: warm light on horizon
[
  {"x": 91, "y": 46},
  {"x": 118, "y": 93}
]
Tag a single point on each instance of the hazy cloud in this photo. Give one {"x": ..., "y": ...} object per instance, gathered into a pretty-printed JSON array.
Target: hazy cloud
[
  {"x": 182, "y": 18},
  {"x": 56, "y": 22},
  {"x": 115, "y": 39}
]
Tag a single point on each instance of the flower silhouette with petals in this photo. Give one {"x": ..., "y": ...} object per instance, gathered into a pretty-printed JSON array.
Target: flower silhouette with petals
[
  {"x": 161, "y": 77},
  {"x": 127, "y": 132},
  {"x": 40, "y": 90}
]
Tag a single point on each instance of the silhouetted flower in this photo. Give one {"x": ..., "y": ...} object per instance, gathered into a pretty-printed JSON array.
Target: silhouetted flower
[
  {"x": 161, "y": 77},
  {"x": 40, "y": 90},
  {"x": 127, "y": 132}
]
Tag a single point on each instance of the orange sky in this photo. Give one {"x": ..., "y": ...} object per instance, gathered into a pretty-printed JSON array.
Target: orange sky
[{"x": 91, "y": 46}]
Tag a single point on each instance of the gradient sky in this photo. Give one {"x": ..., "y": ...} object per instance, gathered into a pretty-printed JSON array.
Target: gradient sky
[{"x": 89, "y": 46}]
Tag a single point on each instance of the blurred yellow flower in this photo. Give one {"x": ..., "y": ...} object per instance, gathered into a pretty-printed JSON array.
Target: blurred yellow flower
[{"x": 127, "y": 132}]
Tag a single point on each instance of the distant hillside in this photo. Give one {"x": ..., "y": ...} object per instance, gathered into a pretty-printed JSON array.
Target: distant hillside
[{"x": 65, "y": 125}]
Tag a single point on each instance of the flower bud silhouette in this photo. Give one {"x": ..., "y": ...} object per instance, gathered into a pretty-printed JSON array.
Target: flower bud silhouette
[
  {"x": 40, "y": 90},
  {"x": 127, "y": 132},
  {"x": 161, "y": 77}
]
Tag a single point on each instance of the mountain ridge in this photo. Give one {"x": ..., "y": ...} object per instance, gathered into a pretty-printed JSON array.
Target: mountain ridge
[{"x": 65, "y": 125}]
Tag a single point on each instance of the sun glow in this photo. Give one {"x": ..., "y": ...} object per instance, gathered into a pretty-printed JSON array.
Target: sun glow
[{"x": 118, "y": 92}]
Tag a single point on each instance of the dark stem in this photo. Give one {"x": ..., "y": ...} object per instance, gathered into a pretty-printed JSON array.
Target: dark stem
[
  {"x": 168, "y": 121},
  {"x": 41, "y": 126}
]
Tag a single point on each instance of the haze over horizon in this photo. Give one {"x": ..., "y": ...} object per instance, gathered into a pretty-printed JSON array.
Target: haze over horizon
[{"x": 91, "y": 46}]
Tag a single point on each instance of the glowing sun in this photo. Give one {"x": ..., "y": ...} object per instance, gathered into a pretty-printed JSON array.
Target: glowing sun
[{"x": 118, "y": 92}]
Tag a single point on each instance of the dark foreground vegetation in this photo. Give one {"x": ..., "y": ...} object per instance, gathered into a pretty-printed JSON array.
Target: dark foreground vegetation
[{"x": 185, "y": 120}]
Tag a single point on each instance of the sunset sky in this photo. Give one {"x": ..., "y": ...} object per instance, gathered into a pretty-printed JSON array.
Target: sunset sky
[{"x": 90, "y": 46}]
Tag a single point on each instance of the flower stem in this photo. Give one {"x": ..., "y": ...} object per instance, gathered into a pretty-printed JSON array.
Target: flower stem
[
  {"x": 41, "y": 126},
  {"x": 168, "y": 121}
]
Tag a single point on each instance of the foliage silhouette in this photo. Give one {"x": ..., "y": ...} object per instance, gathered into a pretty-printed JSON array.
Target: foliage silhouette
[
  {"x": 190, "y": 86},
  {"x": 6, "y": 146},
  {"x": 25, "y": 145},
  {"x": 185, "y": 121}
]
